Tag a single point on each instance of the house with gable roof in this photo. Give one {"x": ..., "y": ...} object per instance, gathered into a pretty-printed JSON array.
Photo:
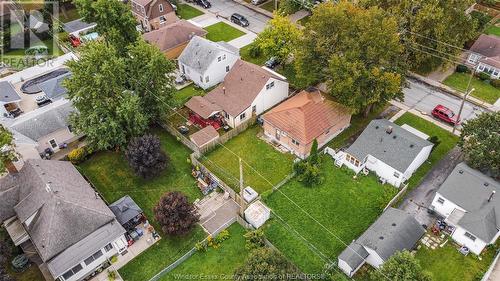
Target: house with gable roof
[
  {"x": 485, "y": 55},
  {"x": 153, "y": 14},
  {"x": 468, "y": 201}
]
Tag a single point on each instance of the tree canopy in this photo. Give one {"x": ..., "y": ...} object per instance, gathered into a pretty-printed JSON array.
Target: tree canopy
[
  {"x": 480, "y": 142},
  {"x": 114, "y": 20},
  {"x": 175, "y": 214},
  {"x": 145, "y": 156},
  {"x": 423, "y": 23},
  {"x": 402, "y": 266},
  {"x": 267, "y": 264},
  {"x": 7, "y": 152},
  {"x": 356, "y": 51}
]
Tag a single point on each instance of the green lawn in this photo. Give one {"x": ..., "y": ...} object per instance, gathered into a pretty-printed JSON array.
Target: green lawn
[
  {"x": 492, "y": 30},
  {"x": 484, "y": 90},
  {"x": 184, "y": 94},
  {"x": 267, "y": 161},
  {"x": 345, "y": 206},
  {"x": 16, "y": 58},
  {"x": 447, "y": 264},
  {"x": 184, "y": 11},
  {"x": 245, "y": 55},
  {"x": 222, "y": 32},
  {"x": 268, "y": 6},
  {"x": 159, "y": 256},
  {"x": 69, "y": 15},
  {"x": 216, "y": 262},
  {"x": 448, "y": 141}
]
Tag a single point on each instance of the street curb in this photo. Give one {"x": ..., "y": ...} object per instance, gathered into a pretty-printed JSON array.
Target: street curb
[
  {"x": 439, "y": 86},
  {"x": 255, "y": 8}
]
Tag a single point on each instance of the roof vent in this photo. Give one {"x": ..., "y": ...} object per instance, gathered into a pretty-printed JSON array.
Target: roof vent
[
  {"x": 381, "y": 238},
  {"x": 461, "y": 171},
  {"x": 486, "y": 184},
  {"x": 389, "y": 130},
  {"x": 394, "y": 137},
  {"x": 393, "y": 224},
  {"x": 376, "y": 127},
  {"x": 412, "y": 145}
]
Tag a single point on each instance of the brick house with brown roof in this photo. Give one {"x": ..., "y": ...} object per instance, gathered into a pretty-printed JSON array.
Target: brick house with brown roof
[
  {"x": 298, "y": 121},
  {"x": 485, "y": 55},
  {"x": 153, "y": 14}
]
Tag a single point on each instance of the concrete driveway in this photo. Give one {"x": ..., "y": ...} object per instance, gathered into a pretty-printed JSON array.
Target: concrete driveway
[
  {"x": 419, "y": 199},
  {"x": 217, "y": 212},
  {"x": 225, "y": 8}
]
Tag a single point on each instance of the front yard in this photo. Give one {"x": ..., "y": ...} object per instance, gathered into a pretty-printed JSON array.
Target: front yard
[
  {"x": 268, "y": 162},
  {"x": 269, "y": 6},
  {"x": 222, "y": 32},
  {"x": 344, "y": 205},
  {"x": 484, "y": 90},
  {"x": 185, "y": 12},
  {"x": 219, "y": 263},
  {"x": 181, "y": 96},
  {"x": 448, "y": 264}
]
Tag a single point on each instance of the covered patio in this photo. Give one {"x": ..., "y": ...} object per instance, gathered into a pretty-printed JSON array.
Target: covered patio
[{"x": 204, "y": 113}]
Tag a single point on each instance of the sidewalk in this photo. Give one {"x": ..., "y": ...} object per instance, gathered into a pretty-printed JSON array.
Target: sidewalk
[{"x": 298, "y": 15}]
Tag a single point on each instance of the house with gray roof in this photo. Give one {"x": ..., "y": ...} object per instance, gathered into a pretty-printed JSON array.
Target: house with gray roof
[
  {"x": 393, "y": 152},
  {"x": 53, "y": 87},
  {"x": 206, "y": 63},
  {"x": 392, "y": 232},
  {"x": 467, "y": 200},
  {"x": 47, "y": 126},
  {"x": 78, "y": 26},
  {"x": 60, "y": 222},
  {"x": 9, "y": 98}
]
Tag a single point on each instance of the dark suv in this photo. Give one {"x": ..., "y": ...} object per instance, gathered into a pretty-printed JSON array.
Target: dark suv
[
  {"x": 239, "y": 20},
  {"x": 204, "y": 3}
]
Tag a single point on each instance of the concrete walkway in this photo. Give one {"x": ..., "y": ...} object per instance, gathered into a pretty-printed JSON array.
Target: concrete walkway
[
  {"x": 204, "y": 20},
  {"x": 243, "y": 41},
  {"x": 216, "y": 211},
  {"x": 298, "y": 15}
]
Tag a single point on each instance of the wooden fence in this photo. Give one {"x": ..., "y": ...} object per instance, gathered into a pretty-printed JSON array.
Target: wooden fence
[{"x": 397, "y": 197}]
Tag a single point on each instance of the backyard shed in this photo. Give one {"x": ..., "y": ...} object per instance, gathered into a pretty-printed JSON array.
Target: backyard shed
[
  {"x": 204, "y": 136},
  {"x": 127, "y": 212},
  {"x": 257, "y": 214}
]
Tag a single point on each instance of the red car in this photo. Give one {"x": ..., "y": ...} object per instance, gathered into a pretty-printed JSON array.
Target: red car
[
  {"x": 445, "y": 114},
  {"x": 75, "y": 41}
]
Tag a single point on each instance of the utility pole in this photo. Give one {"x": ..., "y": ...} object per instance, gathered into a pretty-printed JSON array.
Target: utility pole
[
  {"x": 242, "y": 186},
  {"x": 466, "y": 94}
]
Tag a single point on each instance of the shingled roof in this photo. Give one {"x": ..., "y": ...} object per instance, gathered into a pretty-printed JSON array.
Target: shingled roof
[
  {"x": 487, "y": 46},
  {"x": 471, "y": 189},
  {"x": 66, "y": 208},
  {"x": 307, "y": 115},
  {"x": 397, "y": 149},
  {"x": 8, "y": 93},
  {"x": 202, "y": 106},
  {"x": 173, "y": 35}
]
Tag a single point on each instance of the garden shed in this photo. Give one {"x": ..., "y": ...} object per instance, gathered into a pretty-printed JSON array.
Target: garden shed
[
  {"x": 257, "y": 214},
  {"x": 128, "y": 214}
]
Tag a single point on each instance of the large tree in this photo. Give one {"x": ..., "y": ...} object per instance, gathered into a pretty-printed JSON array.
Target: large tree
[
  {"x": 480, "y": 142},
  {"x": 149, "y": 71},
  {"x": 423, "y": 23},
  {"x": 402, "y": 266},
  {"x": 7, "y": 150},
  {"x": 107, "y": 112},
  {"x": 175, "y": 214},
  {"x": 356, "y": 51},
  {"x": 114, "y": 19},
  {"x": 145, "y": 156},
  {"x": 267, "y": 264},
  {"x": 279, "y": 38}
]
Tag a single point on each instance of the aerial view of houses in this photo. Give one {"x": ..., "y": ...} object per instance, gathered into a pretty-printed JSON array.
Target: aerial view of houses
[{"x": 154, "y": 140}]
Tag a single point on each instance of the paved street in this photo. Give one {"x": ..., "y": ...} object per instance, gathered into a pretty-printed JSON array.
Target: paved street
[
  {"x": 423, "y": 98},
  {"x": 226, "y": 8}
]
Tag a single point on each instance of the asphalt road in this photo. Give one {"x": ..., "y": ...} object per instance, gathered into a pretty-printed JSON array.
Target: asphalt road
[
  {"x": 226, "y": 8},
  {"x": 423, "y": 98}
]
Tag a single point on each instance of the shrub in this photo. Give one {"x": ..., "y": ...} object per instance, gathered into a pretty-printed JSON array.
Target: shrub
[
  {"x": 255, "y": 51},
  {"x": 495, "y": 83},
  {"x": 114, "y": 259},
  {"x": 307, "y": 173},
  {"x": 201, "y": 246},
  {"x": 255, "y": 239},
  {"x": 289, "y": 7},
  {"x": 63, "y": 36},
  {"x": 145, "y": 156},
  {"x": 482, "y": 19},
  {"x": 77, "y": 155},
  {"x": 175, "y": 214},
  {"x": 462, "y": 68},
  {"x": 111, "y": 275},
  {"x": 483, "y": 76},
  {"x": 434, "y": 140}
]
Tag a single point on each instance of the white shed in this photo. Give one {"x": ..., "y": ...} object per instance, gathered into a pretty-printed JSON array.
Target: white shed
[{"x": 257, "y": 214}]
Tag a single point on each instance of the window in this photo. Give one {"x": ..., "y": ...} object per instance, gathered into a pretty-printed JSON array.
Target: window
[
  {"x": 227, "y": 68},
  {"x": 108, "y": 247},
  {"x": 72, "y": 271},
  {"x": 92, "y": 258},
  {"x": 219, "y": 59},
  {"x": 440, "y": 200},
  {"x": 160, "y": 7},
  {"x": 53, "y": 143},
  {"x": 254, "y": 109},
  {"x": 162, "y": 19},
  {"x": 470, "y": 236},
  {"x": 223, "y": 56},
  {"x": 242, "y": 116},
  {"x": 481, "y": 67},
  {"x": 226, "y": 115},
  {"x": 207, "y": 79},
  {"x": 270, "y": 85},
  {"x": 278, "y": 134},
  {"x": 396, "y": 174},
  {"x": 295, "y": 142}
]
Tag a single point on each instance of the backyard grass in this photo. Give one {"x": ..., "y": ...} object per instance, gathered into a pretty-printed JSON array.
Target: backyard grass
[
  {"x": 447, "y": 139},
  {"x": 17, "y": 59},
  {"x": 483, "y": 90},
  {"x": 222, "y": 32},
  {"x": 159, "y": 256},
  {"x": 245, "y": 55},
  {"x": 219, "y": 262},
  {"x": 492, "y": 30},
  {"x": 183, "y": 95},
  {"x": 184, "y": 11},
  {"x": 343, "y": 205},
  {"x": 264, "y": 159},
  {"x": 448, "y": 264},
  {"x": 268, "y": 6}
]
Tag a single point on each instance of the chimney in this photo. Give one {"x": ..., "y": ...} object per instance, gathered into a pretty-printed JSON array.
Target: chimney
[
  {"x": 11, "y": 168},
  {"x": 388, "y": 130},
  {"x": 491, "y": 195}
]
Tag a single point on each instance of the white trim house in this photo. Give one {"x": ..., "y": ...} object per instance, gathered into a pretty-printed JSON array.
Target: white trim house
[{"x": 485, "y": 55}]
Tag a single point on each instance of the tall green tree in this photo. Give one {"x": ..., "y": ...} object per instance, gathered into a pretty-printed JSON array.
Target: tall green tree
[
  {"x": 356, "y": 51},
  {"x": 402, "y": 266},
  {"x": 423, "y": 23},
  {"x": 7, "y": 151},
  {"x": 279, "y": 38},
  {"x": 107, "y": 112},
  {"x": 480, "y": 142},
  {"x": 114, "y": 19},
  {"x": 267, "y": 264},
  {"x": 149, "y": 70}
]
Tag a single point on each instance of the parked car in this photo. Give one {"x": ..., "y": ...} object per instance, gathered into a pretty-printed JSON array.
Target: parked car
[
  {"x": 258, "y": 2},
  {"x": 42, "y": 100},
  {"x": 445, "y": 114},
  {"x": 272, "y": 62},
  {"x": 75, "y": 41},
  {"x": 204, "y": 3},
  {"x": 239, "y": 20}
]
